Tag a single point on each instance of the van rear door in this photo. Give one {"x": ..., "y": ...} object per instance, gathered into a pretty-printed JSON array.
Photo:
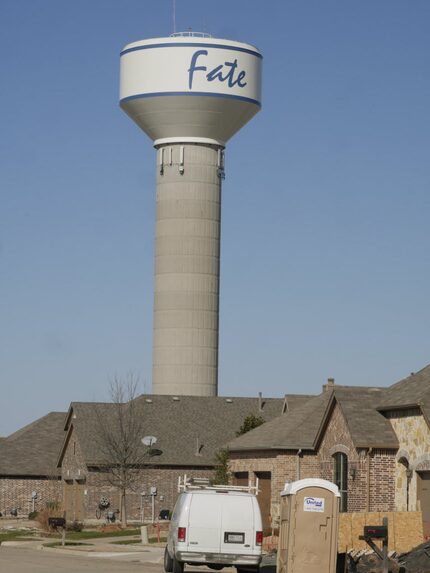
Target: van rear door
[
  {"x": 238, "y": 524},
  {"x": 204, "y": 523}
]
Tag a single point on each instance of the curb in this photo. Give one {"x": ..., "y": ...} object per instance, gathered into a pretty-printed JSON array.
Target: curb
[
  {"x": 28, "y": 544},
  {"x": 94, "y": 552}
]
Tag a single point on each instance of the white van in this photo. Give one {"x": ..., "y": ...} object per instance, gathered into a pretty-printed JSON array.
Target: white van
[{"x": 216, "y": 526}]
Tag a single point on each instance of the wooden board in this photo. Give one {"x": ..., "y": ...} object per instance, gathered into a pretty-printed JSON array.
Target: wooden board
[{"x": 405, "y": 530}]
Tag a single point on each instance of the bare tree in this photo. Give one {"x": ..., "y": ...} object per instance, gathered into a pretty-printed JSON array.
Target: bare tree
[{"x": 119, "y": 436}]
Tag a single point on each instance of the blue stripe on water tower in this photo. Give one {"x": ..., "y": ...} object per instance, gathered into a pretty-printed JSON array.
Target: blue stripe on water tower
[
  {"x": 191, "y": 45},
  {"x": 207, "y": 94}
]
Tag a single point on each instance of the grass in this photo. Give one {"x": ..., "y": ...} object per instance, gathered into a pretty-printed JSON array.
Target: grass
[
  {"x": 14, "y": 534},
  {"x": 72, "y": 536},
  {"x": 67, "y": 544},
  {"x": 101, "y": 534},
  {"x": 155, "y": 540}
]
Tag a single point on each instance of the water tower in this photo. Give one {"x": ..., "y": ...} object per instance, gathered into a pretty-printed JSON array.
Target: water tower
[{"x": 189, "y": 93}]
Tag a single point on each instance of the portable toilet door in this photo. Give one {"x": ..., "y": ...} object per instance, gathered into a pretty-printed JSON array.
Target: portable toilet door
[{"x": 309, "y": 527}]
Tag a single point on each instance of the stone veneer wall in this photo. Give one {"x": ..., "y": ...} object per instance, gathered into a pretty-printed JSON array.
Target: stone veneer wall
[{"x": 414, "y": 447}]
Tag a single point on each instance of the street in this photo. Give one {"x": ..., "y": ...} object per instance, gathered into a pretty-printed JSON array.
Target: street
[{"x": 26, "y": 560}]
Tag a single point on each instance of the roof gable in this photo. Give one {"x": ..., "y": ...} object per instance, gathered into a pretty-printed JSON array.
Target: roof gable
[{"x": 367, "y": 427}]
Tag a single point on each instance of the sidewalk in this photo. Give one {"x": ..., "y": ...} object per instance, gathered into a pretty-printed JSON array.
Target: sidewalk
[{"x": 96, "y": 547}]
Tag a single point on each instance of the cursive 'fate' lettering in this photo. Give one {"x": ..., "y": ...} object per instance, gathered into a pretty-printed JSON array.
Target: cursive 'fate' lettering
[{"x": 224, "y": 72}]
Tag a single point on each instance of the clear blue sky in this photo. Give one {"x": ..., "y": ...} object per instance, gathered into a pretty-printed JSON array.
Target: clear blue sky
[{"x": 325, "y": 239}]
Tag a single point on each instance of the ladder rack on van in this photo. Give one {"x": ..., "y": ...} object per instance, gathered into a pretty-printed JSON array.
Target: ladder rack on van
[{"x": 189, "y": 483}]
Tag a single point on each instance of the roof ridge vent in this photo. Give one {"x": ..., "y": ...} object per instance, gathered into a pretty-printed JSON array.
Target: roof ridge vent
[{"x": 261, "y": 402}]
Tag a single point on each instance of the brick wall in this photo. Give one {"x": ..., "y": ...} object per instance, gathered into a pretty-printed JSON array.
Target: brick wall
[
  {"x": 283, "y": 466},
  {"x": 163, "y": 478},
  {"x": 16, "y": 493},
  {"x": 382, "y": 480},
  {"x": 94, "y": 484},
  {"x": 337, "y": 438},
  {"x": 73, "y": 463}
]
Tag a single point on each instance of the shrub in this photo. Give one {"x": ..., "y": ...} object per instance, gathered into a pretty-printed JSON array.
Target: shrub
[
  {"x": 44, "y": 516},
  {"x": 33, "y": 515},
  {"x": 222, "y": 472},
  {"x": 53, "y": 505},
  {"x": 74, "y": 526},
  {"x": 249, "y": 423}
]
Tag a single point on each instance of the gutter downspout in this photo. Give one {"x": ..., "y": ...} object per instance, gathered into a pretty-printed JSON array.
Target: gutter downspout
[
  {"x": 299, "y": 454},
  {"x": 369, "y": 451}
]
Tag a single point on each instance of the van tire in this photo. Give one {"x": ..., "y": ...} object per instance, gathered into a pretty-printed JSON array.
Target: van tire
[
  {"x": 178, "y": 566},
  {"x": 168, "y": 562}
]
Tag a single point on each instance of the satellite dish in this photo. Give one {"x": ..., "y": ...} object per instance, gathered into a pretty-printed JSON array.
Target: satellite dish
[{"x": 149, "y": 440}]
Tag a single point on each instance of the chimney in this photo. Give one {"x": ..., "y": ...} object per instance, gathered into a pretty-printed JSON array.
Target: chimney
[{"x": 329, "y": 386}]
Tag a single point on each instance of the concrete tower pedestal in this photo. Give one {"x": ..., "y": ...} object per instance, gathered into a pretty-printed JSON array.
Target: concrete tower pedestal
[{"x": 186, "y": 298}]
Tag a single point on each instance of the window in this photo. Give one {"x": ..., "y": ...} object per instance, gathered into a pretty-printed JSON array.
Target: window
[{"x": 341, "y": 478}]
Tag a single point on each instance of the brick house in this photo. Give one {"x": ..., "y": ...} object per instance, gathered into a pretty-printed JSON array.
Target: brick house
[
  {"x": 373, "y": 442},
  {"x": 28, "y": 465},
  {"x": 189, "y": 431},
  {"x": 406, "y": 405},
  {"x": 338, "y": 436}
]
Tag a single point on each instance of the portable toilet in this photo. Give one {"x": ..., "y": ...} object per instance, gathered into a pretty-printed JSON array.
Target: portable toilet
[{"x": 309, "y": 527}]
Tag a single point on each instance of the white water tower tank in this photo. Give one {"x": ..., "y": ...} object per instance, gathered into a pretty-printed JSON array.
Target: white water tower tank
[{"x": 189, "y": 93}]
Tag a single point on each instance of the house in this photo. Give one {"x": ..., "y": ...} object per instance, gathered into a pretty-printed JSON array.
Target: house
[
  {"x": 374, "y": 443},
  {"x": 406, "y": 405},
  {"x": 189, "y": 431},
  {"x": 29, "y": 477},
  {"x": 337, "y": 435}
]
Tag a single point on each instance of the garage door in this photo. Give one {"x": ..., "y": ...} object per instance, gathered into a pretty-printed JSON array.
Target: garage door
[
  {"x": 241, "y": 478},
  {"x": 264, "y": 498}
]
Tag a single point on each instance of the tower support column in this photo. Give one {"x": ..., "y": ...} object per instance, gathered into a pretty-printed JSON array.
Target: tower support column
[{"x": 187, "y": 265}]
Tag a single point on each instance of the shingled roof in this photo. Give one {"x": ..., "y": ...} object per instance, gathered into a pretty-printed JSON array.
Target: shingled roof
[
  {"x": 295, "y": 430},
  {"x": 189, "y": 429},
  {"x": 302, "y": 428},
  {"x": 414, "y": 390},
  {"x": 33, "y": 450}
]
